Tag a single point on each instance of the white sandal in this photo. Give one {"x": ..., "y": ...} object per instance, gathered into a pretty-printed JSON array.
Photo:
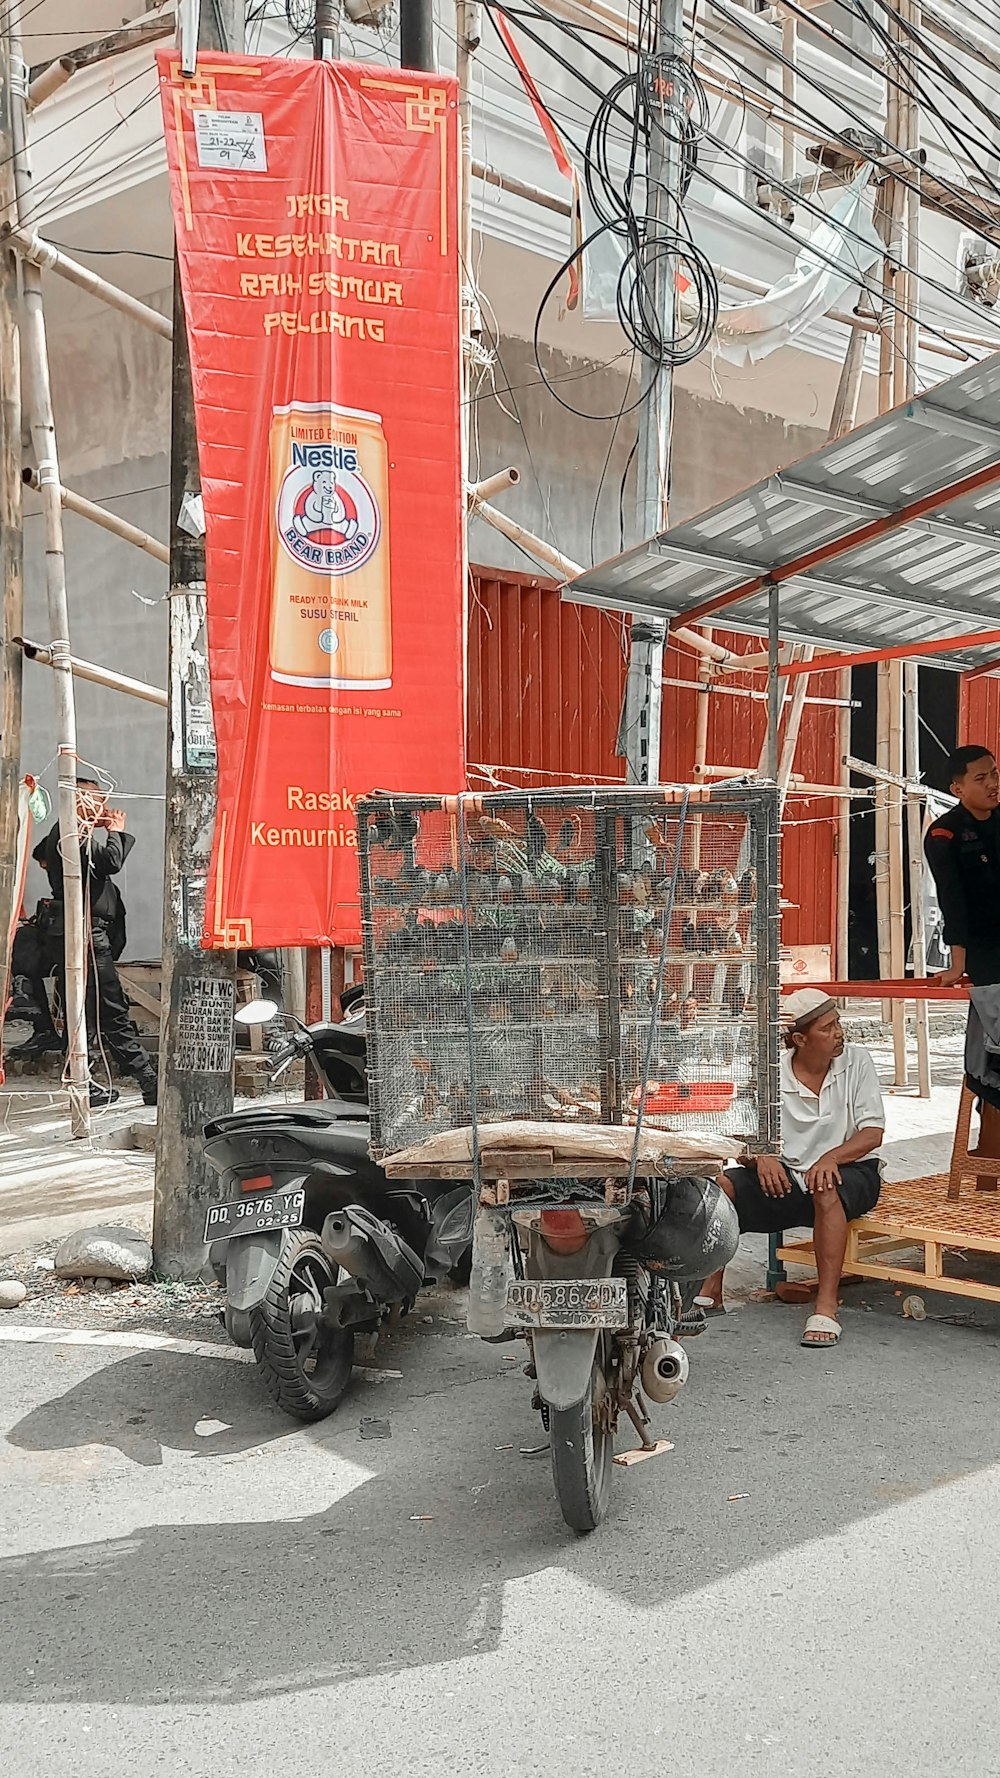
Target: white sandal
[{"x": 824, "y": 1324}]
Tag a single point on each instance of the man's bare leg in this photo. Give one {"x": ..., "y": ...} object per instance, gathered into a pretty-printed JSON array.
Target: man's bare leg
[
  {"x": 829, "y": 1246},
  {"x": 711, "y": 1290}
]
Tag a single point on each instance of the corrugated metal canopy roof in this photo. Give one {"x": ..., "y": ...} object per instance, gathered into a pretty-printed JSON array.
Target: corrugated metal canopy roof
[{"x": 890, "y": 536}]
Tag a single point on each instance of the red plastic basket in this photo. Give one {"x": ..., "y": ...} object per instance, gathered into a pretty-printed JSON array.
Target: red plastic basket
[{"x": 676, "y": 1097}]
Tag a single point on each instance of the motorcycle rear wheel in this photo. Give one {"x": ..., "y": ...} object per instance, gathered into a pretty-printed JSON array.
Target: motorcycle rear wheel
[
  {"x": 582, "y": 1449},
  {"x": 305, "y": 1370}
]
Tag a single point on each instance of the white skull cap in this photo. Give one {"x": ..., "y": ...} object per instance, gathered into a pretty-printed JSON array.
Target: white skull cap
[{"x": 800, "y": 1009}]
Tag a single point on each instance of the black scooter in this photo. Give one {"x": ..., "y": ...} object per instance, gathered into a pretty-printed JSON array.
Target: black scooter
[{"x": 313, "y": 1243}]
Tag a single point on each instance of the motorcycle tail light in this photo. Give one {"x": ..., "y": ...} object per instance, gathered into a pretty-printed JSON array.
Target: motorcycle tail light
[
  {"x": 564, "y": 1231},
  {"x": 261, "y": 1182}
]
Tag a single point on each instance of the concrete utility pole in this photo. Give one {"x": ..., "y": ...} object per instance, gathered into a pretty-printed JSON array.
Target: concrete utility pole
[
  {"x": 324, "y": 969},
  {"x": 416, "y": 34},
  {"x": 199, "y": 987},
  {"x": 10, "y": 532},
  {"x": 639, "y": 736},
  {"x": 326, "y": 31}
]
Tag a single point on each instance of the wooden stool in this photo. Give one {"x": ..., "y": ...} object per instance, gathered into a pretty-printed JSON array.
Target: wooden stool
[{"x": 972, "y": 1163}]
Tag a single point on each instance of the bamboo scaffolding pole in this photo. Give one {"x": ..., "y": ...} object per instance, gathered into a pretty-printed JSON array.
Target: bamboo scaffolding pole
[
  {"x": 80, "y": 669},
  {"x": 99, "y": 515},
  {"x": 40, "y": 254},
  {"x": 789, "y": 94},
  {"x": 909, "y": 680},
  {"x": 842, "y": 419},
  {"x": 844, "y": 416},
  {"x": 519, "y": 534},
  {"x": 11, "y": 540},
  {"x": 910, "y": 786},
  {"x": 567, "y": 569},
  {"x": 51, "y": 80},
  {"x": 798, "y": 786},
  {"x": 494, "y": 484},
  {"x": 888, "y": 218},
  {"x": 43, "y": 437}
]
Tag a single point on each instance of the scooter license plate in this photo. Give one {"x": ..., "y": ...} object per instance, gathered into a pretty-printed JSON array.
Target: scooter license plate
[
  {"x": 254, "y": 1216},
  {"x": 563, "y": 1303}
]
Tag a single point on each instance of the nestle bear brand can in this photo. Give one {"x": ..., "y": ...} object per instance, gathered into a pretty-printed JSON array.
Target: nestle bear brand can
[{"x": 331, "y": 611}]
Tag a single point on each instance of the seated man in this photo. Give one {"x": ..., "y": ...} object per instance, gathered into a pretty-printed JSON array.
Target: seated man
[{"x": 832, "y": 1123}]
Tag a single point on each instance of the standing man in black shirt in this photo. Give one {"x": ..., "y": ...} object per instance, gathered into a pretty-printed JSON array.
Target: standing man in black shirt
[
  {"x": 963, "y": 851},
  {"x": 104, "y": 847}
]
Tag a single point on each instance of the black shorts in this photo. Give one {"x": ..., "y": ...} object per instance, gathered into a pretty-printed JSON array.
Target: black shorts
[{"x": 860, "y": 1184}]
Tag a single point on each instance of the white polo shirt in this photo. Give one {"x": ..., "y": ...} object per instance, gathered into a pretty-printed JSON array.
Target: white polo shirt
[{"x": 849, "y": 1100}]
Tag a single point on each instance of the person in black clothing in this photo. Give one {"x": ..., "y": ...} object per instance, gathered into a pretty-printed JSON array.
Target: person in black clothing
[
  {"x": 962, "y": 848},
  {"x": 104, "y": 848},
  {"x": 33, "y": 958}
]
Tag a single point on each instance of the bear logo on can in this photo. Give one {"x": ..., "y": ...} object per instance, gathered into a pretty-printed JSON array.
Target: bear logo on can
[{"x": 327, "y": 515}]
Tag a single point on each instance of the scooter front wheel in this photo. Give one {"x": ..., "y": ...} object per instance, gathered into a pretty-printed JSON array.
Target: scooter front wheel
[
  {"x": 305, "y": 1367},
  {"x": 582, "y": 1449}
]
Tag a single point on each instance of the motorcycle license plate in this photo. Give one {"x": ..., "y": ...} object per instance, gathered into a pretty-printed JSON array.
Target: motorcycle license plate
[
  {"x": 562, "y": 1303},
  {"x": 254, "y": 1216}
]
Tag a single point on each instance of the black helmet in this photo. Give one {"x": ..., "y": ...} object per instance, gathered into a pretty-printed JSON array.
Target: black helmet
[{"x": 696, "y": 1233}]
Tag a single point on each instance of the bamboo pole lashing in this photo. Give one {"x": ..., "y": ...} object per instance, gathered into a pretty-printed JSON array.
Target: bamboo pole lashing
[
  {"x": 41, "y": 254},
  {"x": 81, "y": 669},
  {"x": 99, "y": 515}
]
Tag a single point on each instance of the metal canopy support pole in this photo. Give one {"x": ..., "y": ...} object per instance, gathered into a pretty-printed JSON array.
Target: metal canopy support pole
[
  {"x": 11, "y": 537},
  {"x": 897, "y": 929},
  {"x": 199, "y": 987},
  {"x": 914, "y": 826},
  {"x": 775, "y": 687},
  {"x": 639, "y": 736},
  {"x": 43, "y": 438},
  {"x": 842, "y": 954}
]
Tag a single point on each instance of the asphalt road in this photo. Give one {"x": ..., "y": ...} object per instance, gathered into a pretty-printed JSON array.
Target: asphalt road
[{"x": 188, "y": 1584}]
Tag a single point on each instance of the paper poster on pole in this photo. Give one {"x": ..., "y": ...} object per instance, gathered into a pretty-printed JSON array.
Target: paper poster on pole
[{"x": 315, "y": 206}]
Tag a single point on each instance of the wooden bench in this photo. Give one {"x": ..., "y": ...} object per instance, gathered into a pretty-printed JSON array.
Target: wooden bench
[{"x": 918, "y": 1213}]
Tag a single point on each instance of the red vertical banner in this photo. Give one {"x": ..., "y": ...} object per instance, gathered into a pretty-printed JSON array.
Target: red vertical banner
[{"x": 316, "y": 213}]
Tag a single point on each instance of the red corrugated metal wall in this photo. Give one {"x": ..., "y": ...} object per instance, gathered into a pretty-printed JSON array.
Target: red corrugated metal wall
[{"x": 545, "y": 690}]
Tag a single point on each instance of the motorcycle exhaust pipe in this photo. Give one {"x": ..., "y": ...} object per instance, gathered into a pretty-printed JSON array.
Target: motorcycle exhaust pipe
[
  {"x": 664, "y": 1370},
  {"x": 372, "y": 1252}
]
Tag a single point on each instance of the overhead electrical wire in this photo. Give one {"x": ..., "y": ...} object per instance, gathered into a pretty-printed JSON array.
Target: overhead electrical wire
[
  {"x": 905, "y": 80},
  {"x": 794, "y": 194},
  {"x": 652, "y": 254},
  {"x": 800, "y": 198},
  {"x": 850, "y": 145},
  {"x": 830, "y": 132}
]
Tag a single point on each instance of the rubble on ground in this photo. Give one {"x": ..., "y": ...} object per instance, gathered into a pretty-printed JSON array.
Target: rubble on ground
[
  {"x": 107, "y": 1252},
  {"x": 187, "y": 1311}
]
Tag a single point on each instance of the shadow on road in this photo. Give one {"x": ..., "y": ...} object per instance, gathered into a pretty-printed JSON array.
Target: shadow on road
[
  {"x": 154, "y": 1401},
  {"x": 196, "y": 1613}
]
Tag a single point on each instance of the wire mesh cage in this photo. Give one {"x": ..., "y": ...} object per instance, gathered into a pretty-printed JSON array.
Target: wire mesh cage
[{"x": 580, "y": 957}]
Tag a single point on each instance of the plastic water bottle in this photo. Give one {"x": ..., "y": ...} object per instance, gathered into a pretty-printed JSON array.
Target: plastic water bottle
[{"x": 488, "y": 1282}]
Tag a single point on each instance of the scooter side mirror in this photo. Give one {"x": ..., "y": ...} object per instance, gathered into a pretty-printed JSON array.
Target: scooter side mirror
[{"x": 256, "y": 1012}]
